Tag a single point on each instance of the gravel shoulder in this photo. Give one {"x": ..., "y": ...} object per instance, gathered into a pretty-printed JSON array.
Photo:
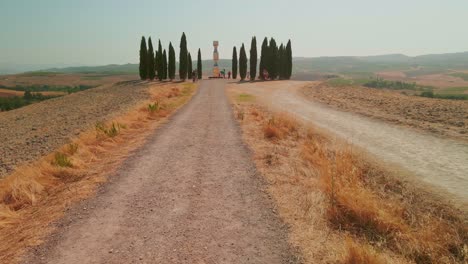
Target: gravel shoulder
[
  {"x": 35, "y": 130},
  {"x": 433, "y": 160},
  {"x": 191, "y": 195}
]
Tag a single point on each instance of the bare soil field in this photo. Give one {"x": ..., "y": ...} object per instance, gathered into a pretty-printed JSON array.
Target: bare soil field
[
  {"x": 438, "y": 116},
  {"x": 433, "y": 160},
  {"x": 32, "y": 131},
  {"x": 62, "y": 79}
]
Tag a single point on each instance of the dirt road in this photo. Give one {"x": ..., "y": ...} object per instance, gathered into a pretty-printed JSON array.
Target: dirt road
[
  {"x": 191, "y": 195},
  {"x": 437, "y": 161}
]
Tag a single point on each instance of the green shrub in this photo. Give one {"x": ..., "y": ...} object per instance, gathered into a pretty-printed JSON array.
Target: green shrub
[
  {"x": 62, "y": 160},
  {"x": 152, "y": 108},
  {"x": 428, "y": 94},
  {"x": 111, "y": 131},
  {"x": 72, "y": 148}
]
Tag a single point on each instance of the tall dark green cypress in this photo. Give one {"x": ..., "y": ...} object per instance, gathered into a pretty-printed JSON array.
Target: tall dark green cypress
[
  {"x": 143, "y": 69},
  {"x": 159, "y": 63},
  {"x": 234, "y": 63},
  {"x": 282, "y": 64},
  {"x": 272, "y": 65},
  {"x": 242, "y": 63},
  {"x": 164, "y": 65},
  {"x": 189, "y": 66},
  {"x": 288, "y": 60},
  {"x": 183, "y": 56},
  {"x": 253, "y": 59},
  {"x": 150, "y": 63},
  {"x": 263, "y": 58},
  {"x": 171, "y": 67},
  {"x": 199, "y": 66}
]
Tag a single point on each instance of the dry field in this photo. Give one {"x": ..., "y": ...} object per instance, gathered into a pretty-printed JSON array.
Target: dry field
[
  {"x": 341, "y": 205},
  {"x": 61, "y": 79},
  {"x": 441, "y": 80},
  {"x": 443, "y": 117},
  {"x": 77, "y": 159}
]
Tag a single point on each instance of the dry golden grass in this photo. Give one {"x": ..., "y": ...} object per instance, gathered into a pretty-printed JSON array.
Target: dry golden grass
[
  {"x": 329, "y": 193},
  {"x": 35, "y": 195}
]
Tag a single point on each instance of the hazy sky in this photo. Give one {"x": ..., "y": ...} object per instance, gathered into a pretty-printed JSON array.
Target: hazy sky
[{"x": 95, "y": 32}]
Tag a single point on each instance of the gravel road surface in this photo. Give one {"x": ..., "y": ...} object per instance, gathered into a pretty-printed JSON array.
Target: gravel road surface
[{"x": 190, "y": 195}]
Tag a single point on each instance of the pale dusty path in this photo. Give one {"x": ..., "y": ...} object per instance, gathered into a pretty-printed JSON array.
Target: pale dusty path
[
  {"x": 437, "y": 161},
  {"x": 191, "y": 195}
]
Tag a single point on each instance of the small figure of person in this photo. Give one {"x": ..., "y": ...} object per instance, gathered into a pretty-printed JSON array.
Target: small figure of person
[
  {"x": 194, "y": 76},
  {"x": 229, "y": 75},
  {"x": 265, "y": 74},
  {"x": 248, "y": 75}
]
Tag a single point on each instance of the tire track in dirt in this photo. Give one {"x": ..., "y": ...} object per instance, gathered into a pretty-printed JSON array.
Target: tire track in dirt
[
  {"x": 437, "y": 161},
  {"x": 191, "y": 195}
]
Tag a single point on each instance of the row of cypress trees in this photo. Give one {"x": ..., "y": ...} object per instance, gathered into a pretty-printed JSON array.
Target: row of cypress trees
[
  {"x": 277, "y": 61},
  {"x": 157, "y": 64}
]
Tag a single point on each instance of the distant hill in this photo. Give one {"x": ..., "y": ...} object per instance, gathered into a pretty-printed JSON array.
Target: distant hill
[{"x": 343, "y": 64}]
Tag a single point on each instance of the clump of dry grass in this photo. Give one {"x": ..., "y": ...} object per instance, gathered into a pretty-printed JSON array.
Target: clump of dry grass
[
  {"x": 325, "y": 188},
  {"x": 360, "y": 254},
  {"x": 36, "y": 194},
  {"x": 279, "y": 127}
]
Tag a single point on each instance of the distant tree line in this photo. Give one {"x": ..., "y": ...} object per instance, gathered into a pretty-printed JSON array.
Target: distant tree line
[
  {"x": 45, "y": 88},
  {"x": 10, "y": 103},
  {"x": 395, "y": 85},
  {"x": 275, "y": 62},
  {"x": 162, "y": 65}
]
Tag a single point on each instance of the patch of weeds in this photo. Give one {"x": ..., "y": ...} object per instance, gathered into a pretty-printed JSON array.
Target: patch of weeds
[
  {"x": 111, "y": 131},
  {"x": 72, "y": 148},
  {"x": 245, "y": 98},
  {"x": 62, "y": 160},
  {"x": 240, "y": 115},
  {"x": 152, "y": 108}
]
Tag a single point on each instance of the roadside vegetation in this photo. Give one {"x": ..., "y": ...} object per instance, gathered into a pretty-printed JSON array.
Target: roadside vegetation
[
  {"x": 36, "y": 194},
  {"x": 342, "y": 206}
]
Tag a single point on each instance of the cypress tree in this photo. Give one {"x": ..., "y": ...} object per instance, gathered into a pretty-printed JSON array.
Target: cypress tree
[
  {"x": 164, "y": 65},
  {"x": 159, "y": 63},
  {"x": 150, "y": 62},
  {"x": 143, "y": 58},
  {"x": 263, "y": 58},
  {"x": 242, "y": 63},
  {"x": 272, "y": 65},
  {"x": 288, "y": 60},
  {"x": 171, "y": 65},
  {"x": 253, "y": 59},
  {"x": 234, "y": 63},
  {"x": 183, "y": 58},
  {"x": 282, "y": 64},
  {"x": 156, "y": 61},
  {"x": 199, "y": 65},
  {"x": 189, "y": 66}
]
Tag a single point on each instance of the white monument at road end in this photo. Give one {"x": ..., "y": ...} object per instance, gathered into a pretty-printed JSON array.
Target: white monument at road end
[{"x": 215, "y": 59}]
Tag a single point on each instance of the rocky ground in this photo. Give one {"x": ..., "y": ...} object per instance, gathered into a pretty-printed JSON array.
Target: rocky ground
[
  {"x": 444, "y": 117},
  {"x": 32, "y": 131}
]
